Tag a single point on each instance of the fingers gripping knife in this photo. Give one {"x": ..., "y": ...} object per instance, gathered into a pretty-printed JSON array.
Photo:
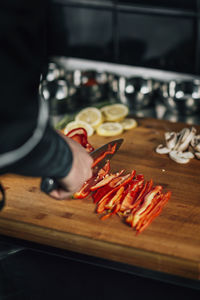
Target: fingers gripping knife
[{"x": 49, "y": 184}]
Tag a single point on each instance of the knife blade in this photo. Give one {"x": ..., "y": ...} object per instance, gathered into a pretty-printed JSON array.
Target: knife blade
[
  {"x": 101, "y": 150},
  {"x": 49, "y": 184}
]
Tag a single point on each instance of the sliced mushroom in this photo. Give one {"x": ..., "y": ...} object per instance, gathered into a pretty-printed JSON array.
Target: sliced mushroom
[
  {"x": 161, "y": 149},
  {"x": 191, "y": 149},
  {"x": 195, "y": 142},
  {"x": 187, "y": 154},
  {"x": 185, "y": 138},
  {"x": 170, "y": 139},
  {"x": 177, "y": 157},
  {"x": 197, "y": 154}
]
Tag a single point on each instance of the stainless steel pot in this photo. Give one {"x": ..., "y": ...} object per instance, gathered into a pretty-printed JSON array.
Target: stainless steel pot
[
  {"x": 92, "y": 85},
  {"x": 54, "y": 72},
  {"x": 181, "y": 96},
  {"x": 60, "y": 95},
  {"x": 136, "y": 92}
]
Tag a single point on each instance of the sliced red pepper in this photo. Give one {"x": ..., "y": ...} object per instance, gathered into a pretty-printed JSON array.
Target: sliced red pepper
[
  {"x": 80, "y": 136},
  {"x": 109, "y": 179},
  {"x": 131, "y": 193},
  {"x": 101, "y": 192},
  {"x": 147, "y": 201},
  {"x": 103, "y": 182},
  {"x": 85, "y": 189},
  {"x": 157, "y": 209},
  {"x": 156, "y": 200},
  {"x": 79, "y": 130},
  {"x": 115, "y": 199},
  {"x": 102, "y": 202},
  {"x": 101, "y": 205},
  {"x": 123, "y": 180},
  {"x": 110, "y": 150},
  {"x": 150, "y": 220},
  {"x": 115, "y": 209},
  {"x": 147, "y": 187},
  {"x": 108, "y": 196},
  {"x": 105, "y": 170}
]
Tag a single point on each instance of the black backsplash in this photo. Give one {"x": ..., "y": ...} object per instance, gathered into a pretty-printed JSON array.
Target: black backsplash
[{"x": 150, "y": 33}]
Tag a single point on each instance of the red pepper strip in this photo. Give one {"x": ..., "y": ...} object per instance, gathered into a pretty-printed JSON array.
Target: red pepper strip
[
  {"x": 147, "y": 201},
  {"x": 104, "y": 181},
  {"x": 101, "y": 192},
  {"x": 105, "y": 170},
  {"x": 111, "y": 203},
  {"x": 110, "y": 150},
  {"x": 157, "y": 198},
  {"x": 129, "y": 199},
  {"x": 150, "y": 220},
  {"x": 101, "y": 204},
  {"x": 118, "y": 179},
  {"x": 104, "y": 217},
  {"x": 113, "y": 212},
  {"x": 115, "y": 199},
  {"x": 80, "y": 136},
  {"x": 123, "y": 180},
  {"x": 79, "y": 130},
  {"x": 154, "y": 212},
  {"x": 147, "y": 187},
  {"x": 98, "y": 194},
  {"x": 145, "y": 213},
  {"x": 131, "y": 194},
  {"x": 85, "y": 189}
]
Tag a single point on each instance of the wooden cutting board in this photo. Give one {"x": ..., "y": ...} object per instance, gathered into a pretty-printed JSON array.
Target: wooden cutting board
[{"x": 170, "y": 244}]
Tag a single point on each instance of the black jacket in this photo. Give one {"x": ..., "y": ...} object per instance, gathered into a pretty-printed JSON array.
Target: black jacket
[{"x": 22, "y": 59}]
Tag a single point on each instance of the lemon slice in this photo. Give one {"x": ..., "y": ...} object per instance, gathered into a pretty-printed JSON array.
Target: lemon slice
[
  {"x": 114, "y": 112},
  {"x": 76, "y": 124},
  {"x": 90, "y": 115},
  {"x": 109, "y": 129},
  {"x": 128, "y": 123}
]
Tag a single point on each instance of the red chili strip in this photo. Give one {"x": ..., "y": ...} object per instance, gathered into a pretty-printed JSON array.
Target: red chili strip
[
  {"x": 147, "y": 187},
  {"x": 111, "y": 150},
  {"x": 80, "y": 136},
  {"x": 154, "y": 212}
]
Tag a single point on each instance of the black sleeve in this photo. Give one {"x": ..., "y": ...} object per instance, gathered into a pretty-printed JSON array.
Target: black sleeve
[{"x": 22, "y": 58}]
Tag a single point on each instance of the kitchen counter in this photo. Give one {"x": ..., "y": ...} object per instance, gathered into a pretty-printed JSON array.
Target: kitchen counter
[{"x": 170, "y": 245}]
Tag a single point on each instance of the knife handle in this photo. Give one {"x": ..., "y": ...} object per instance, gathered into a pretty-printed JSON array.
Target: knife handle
[{"x": 48, "y": 184}]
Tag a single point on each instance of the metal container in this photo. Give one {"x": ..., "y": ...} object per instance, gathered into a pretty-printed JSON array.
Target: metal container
[
  {"x": 54, "y": 72},
  {"x": 136, "y": 92},
  {"x": 92, "y": 85},
  {"x": 60, "y": 95},
  {"x": 181, "y": 97}
]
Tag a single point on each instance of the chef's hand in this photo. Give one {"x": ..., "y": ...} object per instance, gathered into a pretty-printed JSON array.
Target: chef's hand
[{"x": 80, "y": 171}]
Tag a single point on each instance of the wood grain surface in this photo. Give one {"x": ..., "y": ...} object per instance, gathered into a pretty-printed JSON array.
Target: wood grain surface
[{"x": 170, "y": 244}]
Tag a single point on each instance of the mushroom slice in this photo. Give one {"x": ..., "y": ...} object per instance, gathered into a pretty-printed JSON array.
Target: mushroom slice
[
  {"x": 185, "y": 138},
  {"x": 195, "y": 142},
  {"x": 161, "y": 149},
  {"x": 197, "y": 154},
  {"x": 170, "y": 139},
  {"x": 187, "y": 154},
  {"x": 177, "y": 157}
]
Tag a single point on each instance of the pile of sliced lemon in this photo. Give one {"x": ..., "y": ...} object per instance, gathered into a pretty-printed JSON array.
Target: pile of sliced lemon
[{"x": 110, "y": 120}]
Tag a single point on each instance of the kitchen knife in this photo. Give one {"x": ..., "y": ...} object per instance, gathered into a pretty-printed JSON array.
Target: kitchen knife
[{"x": 49, "y": 184}]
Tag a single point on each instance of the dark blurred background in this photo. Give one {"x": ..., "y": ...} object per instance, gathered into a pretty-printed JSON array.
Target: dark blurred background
[{"x": 158, "y": 34}]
